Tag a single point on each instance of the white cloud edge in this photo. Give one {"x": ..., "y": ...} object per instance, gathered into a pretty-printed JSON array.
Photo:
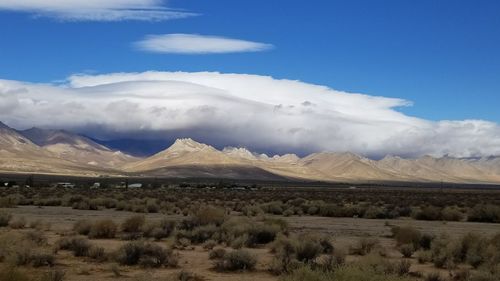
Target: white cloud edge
[
  {"x": 241, "y": 109},
  {"x": 196, "y": 44},
  {"x": 93, "y": 10}
]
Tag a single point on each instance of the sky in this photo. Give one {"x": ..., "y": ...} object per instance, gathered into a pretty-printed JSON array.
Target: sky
[{"x": 431, "y": 67}]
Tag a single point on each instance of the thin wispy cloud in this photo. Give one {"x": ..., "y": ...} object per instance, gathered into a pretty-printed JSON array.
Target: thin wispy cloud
[
  {"x": 96, "y": 10},
  {"x": 197, "y": 44},
  {"x": 258, "y": 112}
]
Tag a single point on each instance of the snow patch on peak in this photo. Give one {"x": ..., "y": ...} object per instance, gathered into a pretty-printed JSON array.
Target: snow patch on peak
[
  {"x": 239, "y": 153},
  {"x": 287, "y": 158},
  {"x": 188, "y": 144}
]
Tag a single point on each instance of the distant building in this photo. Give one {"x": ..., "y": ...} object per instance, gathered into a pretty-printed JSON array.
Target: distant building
[
  {"x": 135, "y": 185},
  {"x": 65, "y": 184}
]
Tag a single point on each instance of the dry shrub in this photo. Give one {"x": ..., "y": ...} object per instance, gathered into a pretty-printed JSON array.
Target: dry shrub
[
  {"x": 186, "y": 276},
  {"x": 209, "y": 215},
  {"x": 103, "y": 229},
  {"x": 79, "y": 245},
  {"x": 434, "y": 276},
  {"x": 242, "y": 231},
  {"x": 424, "y": 256},
  {"x": 482, "y": 275},
  {"x": 236, "y": 260},
  {"x": 115, "y": 268},
  {"x": 402, "y": 267},
  {"x": 20, "y": 250},
  {"x": 443, "y": 252},
  {"x": 145, "y": 254},
  {"x": 182, "y": 243},
  {"x": 39, "y": 225},
  {"x": 292, "y": 252},
  {"x": 159, "y": 230},
  {"x": 53, "y": 275},
  {"x": 343, "y": 273},
  {"x": 5, "y": 218},
  {"x": 308, "y": 250},
  {"x": 407, "y": 250},
  {"x": 330, "y": 262},
  {"x": 133, "y": 224},
  {"x": 97, "y": 253},
  {"x": 36, "y": 237},
  {"x": 484, "y": 213},
  {"x": 209, "y": 245},
  {"x": 11, "y": 273},
  {"x": 407, "y": 235},
  {"x": 199, "y": 234},
  {"x": 364, "y": 246},
  {"x": 217, "y": 253},
  {"x": 82, "y": 227},
  {"x": 452, "y": 213},
  {"x": 18, "y": 223},
  {"x": 42, "y": 259}
]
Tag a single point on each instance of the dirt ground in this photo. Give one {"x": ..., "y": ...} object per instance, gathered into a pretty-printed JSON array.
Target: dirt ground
[{"x": 344, "y": 232}]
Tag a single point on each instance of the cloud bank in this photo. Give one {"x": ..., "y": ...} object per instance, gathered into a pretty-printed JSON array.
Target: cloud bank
[
  {"x": 258, "y": 112},
  {"x": 197, "y": 44},
  {"x": 96, "y": 10}
]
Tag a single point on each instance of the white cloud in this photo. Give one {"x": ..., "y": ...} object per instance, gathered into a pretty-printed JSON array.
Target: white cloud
[
  {"x": 96, "y": 10},
  {"x": 259, "y": 112},
  {"x": 198, "y": 44}
]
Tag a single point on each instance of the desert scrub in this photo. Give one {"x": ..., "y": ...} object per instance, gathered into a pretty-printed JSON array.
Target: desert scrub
[
  {"x": 217, "y": 253},
  {"x": 206, "y": 215},
  {"x": 452, "y": 213},
  {"x": 184, "y": 275},
  {"x": 145, "y": 254},
  {"x": 82, "y": 227},
  {"x": 243, "y": 231},
  {"x": 292, "y": 252},
  {"x": 133, "y": 224},
  {"x": 42, "y": 259},
  {"x": 18, "y": 249},
  {"x": 343, "y": 273},
  {"x": 39, "y": 225},
  {"x": 444, "y": 252},
  {"x": 407, "y": 235},
  {"x": 159, "y": 230},
  {"x": 364, "y": 246},
  {"x": 484, "y": 213},
  {"x": 18, "y": 223},
  {"x": 53, "y": 275},
  {"x": 103, "y": 229},
  {"x": 407, "y": 250},
  {"x": 36, "y": 237},
  {"x": 79, "y": 245},
  {"x": 5, "y": 218},
  {"x": 97, "y": 253},
  {"x": 12, "y": 273},
  {"x": 236, "y": 260},
  {"x": 199, "y": 234},
  {"x": 434, "y": 276},
  {"x": 424, "y": 256}
]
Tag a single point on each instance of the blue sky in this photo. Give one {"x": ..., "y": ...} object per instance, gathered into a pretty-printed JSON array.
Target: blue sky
[{"x": 442, "y": 55}]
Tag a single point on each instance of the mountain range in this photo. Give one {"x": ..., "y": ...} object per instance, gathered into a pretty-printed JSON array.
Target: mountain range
[{"x": 61, "y": 152}]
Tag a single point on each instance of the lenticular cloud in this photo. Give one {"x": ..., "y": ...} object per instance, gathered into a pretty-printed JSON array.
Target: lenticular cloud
[
  {"x": 96, "y": 10},
  {"x": 258, "y": 112}
]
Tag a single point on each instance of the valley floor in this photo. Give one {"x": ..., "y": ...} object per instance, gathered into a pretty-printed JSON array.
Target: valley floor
[{"x": 343, "y": 231}]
